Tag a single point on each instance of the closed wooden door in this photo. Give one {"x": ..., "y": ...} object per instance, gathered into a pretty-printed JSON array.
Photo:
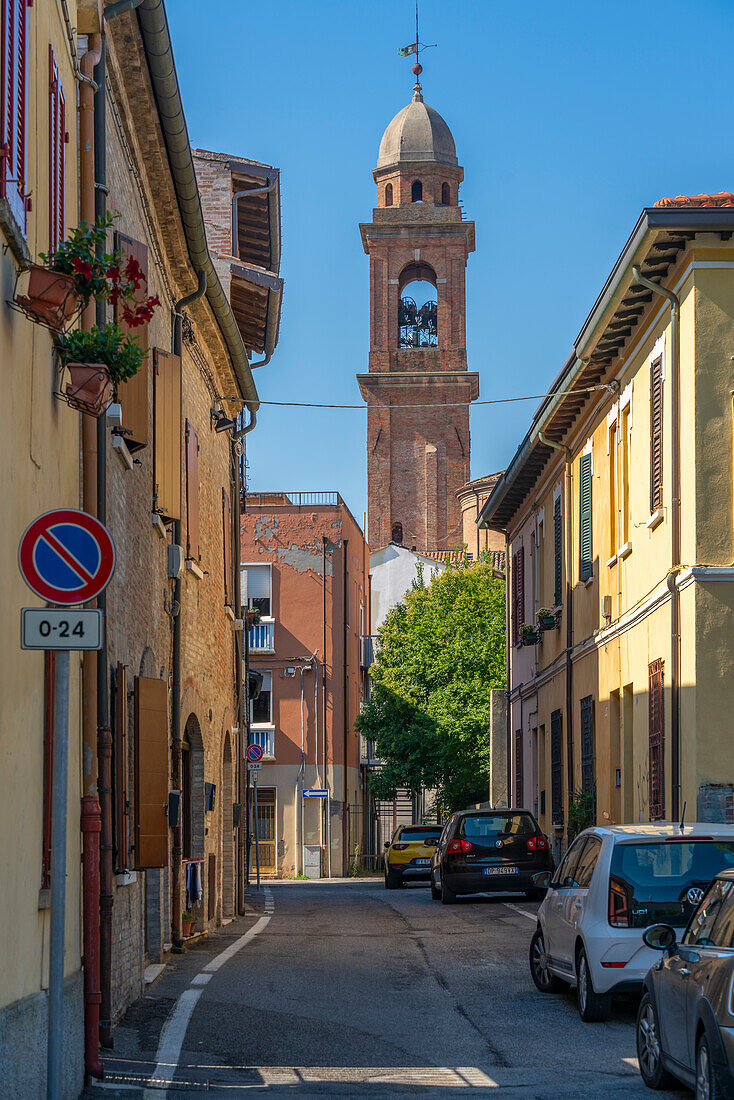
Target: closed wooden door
[{"x": 266, "y": 830}]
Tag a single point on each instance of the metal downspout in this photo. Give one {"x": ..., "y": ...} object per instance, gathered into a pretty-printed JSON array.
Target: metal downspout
[
  {"x": 176, "y": 741},
  {"x": 104, "y": 733},
  {"x": 235, "y": 220},
  {"x": 345, "y": 690},
  {"x": 508, "y": 693},
  {"x": 568, "y": 508},
  {"x": 91, "y": 811},
  {"x": 239, "y": 644},
  {"x": 675, "y": 565}
]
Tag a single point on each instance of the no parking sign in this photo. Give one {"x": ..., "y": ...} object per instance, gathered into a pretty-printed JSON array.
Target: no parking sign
[{"x": 67, "y": 557}]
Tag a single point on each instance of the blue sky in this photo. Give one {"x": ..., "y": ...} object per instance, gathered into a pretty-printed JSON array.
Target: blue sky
[{"x": 568, "y": 119}]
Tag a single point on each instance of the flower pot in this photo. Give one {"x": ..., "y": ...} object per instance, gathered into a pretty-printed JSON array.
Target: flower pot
[
  {"x": 547, "y": 622},
  {"x": 186, "y": 926},
  {"x": 530, "y": 637},
  {"x": 89, "y": 388},
  {"x": 50, "y": 297}
]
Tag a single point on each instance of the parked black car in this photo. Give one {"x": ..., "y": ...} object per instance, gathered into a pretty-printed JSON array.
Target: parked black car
[
  {"x": 685, "y": 1024},
  {"x": 489, "y": 851}
]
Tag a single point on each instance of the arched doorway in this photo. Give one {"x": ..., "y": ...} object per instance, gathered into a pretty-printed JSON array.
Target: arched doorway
[{"x": 227, "y": 830}]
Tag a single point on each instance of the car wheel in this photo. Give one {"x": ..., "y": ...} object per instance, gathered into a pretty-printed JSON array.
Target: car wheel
[
  {"x": 649, "y": 1050},
  {"x": 392, "y": 882},
  {"x": 707, "y": 1082},
  {"x": 540, "y": 972},
  {"x": 448, "y": 897},
  {"x": 435, "y": 892},
  {"x": 593, "y": 1007}
]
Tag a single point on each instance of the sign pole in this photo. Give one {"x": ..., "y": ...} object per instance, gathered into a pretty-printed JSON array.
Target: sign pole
[
  {"x": 59, "y": 807},
  {"x": 257, "y": 836}
]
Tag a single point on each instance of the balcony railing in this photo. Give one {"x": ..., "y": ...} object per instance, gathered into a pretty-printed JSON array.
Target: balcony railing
[
  {"x": 281, "y": 498},
  {"x": 265, "y": 738},
  {"x": 262, "y": 637}
]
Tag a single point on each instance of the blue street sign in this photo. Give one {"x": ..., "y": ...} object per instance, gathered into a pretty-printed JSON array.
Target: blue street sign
[{"x": 315, "y": 794}]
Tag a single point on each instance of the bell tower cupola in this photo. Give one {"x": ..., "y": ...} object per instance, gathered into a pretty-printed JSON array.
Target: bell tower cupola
[{"x": 417, "y": 388}]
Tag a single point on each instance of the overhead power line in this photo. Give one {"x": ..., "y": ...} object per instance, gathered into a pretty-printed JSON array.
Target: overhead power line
[{"x": 440, "y": 404}]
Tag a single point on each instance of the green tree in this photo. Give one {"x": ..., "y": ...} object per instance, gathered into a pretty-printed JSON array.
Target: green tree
[{"x": 439, "y": 655}]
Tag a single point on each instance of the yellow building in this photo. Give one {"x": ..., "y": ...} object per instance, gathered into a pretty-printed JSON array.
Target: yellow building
[
  {"x": 39, "y": 448},
  {"x": 617, "y": 511}
]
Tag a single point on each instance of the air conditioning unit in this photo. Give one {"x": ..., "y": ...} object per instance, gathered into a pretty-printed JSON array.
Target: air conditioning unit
[{"x": 176, "y": 561}]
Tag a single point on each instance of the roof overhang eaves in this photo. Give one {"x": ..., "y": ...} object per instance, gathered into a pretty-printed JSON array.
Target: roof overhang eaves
[{"x": 270, "y": 305}]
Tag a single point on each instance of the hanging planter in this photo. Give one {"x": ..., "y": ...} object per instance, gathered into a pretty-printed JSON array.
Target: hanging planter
[
  {"x": 93, "y": 363},
  {"x": 252, "y": 617},
  {"x": 87, "y": 387},
  {"x": 47, "y": 297},
  {"x": 547, "y": 619},
  {"x": 528, "y": 634}
]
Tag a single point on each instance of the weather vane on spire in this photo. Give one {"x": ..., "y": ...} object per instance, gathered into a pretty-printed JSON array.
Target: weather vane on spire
[{"x": 416, "y": 48}]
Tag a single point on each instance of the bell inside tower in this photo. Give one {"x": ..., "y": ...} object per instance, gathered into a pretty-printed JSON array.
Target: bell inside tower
[{"x": 418, "y": 308}]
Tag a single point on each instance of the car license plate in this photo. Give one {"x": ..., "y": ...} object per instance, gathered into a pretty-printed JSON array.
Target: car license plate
[
  {"x": 500, "y": 870},
  {"x": 421, "y": 862}
]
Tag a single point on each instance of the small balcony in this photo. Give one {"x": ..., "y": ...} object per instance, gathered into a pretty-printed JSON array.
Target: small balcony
[
  {"x": 265, "y": 738},
  {"x": 262, "y": 637}
]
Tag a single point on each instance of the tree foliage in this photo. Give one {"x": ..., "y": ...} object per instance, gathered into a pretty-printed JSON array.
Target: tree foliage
[{"x": 439, "y": 655}]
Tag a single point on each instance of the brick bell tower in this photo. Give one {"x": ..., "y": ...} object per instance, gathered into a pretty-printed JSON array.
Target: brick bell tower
[{"x": 418, "y": 388}]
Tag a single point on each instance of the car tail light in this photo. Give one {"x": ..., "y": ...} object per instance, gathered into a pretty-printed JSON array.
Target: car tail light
[
  {"x": 459, "y": 846},
  {"x": 614, "y": 966},
  {"x": 399, "y": 847},
  {"x": 537, "y": 843},
  {"x": 619, "y": 912}
]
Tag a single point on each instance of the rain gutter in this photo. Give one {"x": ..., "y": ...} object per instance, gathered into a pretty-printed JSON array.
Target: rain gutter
[{"x": 158, "y": 50}]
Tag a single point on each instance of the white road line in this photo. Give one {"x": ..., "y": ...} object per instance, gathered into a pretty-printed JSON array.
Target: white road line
[
  {"x": 524, "y": 912},
  {"x": 175, "y": 1027}
]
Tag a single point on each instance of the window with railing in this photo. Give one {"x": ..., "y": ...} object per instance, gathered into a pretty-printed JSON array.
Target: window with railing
[
  {"x": 265, "y": 738},
  {"x": 257, "y": 593},
  {"x": 262, "y": 726}
]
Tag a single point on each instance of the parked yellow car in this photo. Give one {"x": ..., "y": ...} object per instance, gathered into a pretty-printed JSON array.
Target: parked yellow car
[{"x": 408, "y": 854}]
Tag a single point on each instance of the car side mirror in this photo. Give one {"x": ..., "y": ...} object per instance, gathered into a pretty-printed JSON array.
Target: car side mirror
[
  {"x": 542, "y": 879},
  {"x": 432, "y": 840},
  {"x": 661, "y": 937},
  {"x": 387, "y": 844}
]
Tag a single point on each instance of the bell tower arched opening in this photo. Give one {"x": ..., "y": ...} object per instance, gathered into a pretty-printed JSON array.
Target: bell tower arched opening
[
  {"x": 416, "y": 191},
  {"x": 418, "y": 307}
]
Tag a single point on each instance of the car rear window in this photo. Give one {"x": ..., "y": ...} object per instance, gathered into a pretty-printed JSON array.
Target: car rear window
[
  {"x": 484, "y": 826},
  {"x": 656, "y": 877},
  {"x": 419, "y": 832}
]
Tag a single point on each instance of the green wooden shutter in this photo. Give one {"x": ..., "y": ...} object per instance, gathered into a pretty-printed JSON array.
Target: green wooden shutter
[
  {"x": 556, "y": 769},
  {"x": 587, "y": 744},
  {"x": 586, "y": 563},
  {"x": 557, "y": 551},
  {"x": 656, "y": 435}
]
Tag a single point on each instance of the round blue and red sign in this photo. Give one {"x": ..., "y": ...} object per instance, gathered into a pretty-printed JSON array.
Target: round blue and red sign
[
  {"x": 67, "y": 557},
  {"x": 254, "y": 753}
]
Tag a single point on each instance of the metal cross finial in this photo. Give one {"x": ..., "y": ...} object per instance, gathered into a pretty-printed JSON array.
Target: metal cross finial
[{"x": 416, "y": 48}]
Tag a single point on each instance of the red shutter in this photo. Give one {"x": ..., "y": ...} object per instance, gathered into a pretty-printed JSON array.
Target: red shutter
[
  {"x": 192, "y": 492},
  {"x": 227, "y": 544},
  {"x": 13, "y": 96},
  {"x": 656, "y": 734},
  {"x": 656, "y": 435},
  {"x": 520, "y": 588},
  {"x": 515, "y": 628},
  {"x": 57, "y": 152},
  {"x": 135, "y": 393}
]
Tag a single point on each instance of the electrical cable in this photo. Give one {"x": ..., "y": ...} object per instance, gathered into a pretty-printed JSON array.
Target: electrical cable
[{"x": 441, "y": 404}]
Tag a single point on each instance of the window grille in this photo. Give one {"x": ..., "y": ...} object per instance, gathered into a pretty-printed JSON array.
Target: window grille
[
  {"x": 656, "y": 732},
  {"x": 556, "y": 768}
]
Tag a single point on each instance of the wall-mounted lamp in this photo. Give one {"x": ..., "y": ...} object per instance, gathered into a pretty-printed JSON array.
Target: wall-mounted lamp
[{"x": 219, "y": 420}]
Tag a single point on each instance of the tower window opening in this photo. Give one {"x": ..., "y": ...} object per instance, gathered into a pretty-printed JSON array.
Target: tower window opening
[
  {"x": 397, "y": 533},
  {"x": 418, "y": 307},
  {"x": 388, "y": 194},
  {"x": 445, "y": 194},
  {"x": 416, "y": 191}
]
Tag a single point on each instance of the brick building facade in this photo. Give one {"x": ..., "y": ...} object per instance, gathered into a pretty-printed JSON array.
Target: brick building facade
[{"x": 418, "y": 389}]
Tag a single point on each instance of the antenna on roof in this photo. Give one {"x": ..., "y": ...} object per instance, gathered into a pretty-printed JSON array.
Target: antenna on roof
[
  {"x": 682, "y": 816},
  {"x": 416, "y": 48}
]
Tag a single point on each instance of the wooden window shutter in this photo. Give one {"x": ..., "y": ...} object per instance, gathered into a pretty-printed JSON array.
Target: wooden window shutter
[
  {"x": 656, "y": 734},
  {"x": 518, "y": 768},
  {"x": 227, "y": 544},
  {"x": 56, "y": 153},
  {"x": 134, "y": 395},
  {"x": 520, "y": 588},
  {"x": 13, "y": 107},
  {"x": 556, "y": 768},
  {"x": 167, "y": 434},
  {"x": 151, "y": 773},
  {"x": 586, "y": 562},
  {"x": 656, "y": 435},
  {"x": 192, "y": 492},
  {"x": 121, "y": 805},
  {"x": 557, "y": 553},
  {"x": 515, "y": 628},
  {"x": 587, "y": 744}
]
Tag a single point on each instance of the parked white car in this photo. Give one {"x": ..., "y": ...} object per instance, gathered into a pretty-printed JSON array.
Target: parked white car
[{"x": 612, "y": 884}]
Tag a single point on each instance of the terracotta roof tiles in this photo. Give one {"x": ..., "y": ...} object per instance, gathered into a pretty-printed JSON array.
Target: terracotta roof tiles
[{"x": 723, "y": 198}]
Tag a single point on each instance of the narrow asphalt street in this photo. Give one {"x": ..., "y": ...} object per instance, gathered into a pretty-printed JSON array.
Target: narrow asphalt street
[{"x": 344, "y": 989}]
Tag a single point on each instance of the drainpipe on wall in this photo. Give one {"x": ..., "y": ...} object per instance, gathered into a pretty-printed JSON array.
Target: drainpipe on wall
[
  {"x": 675, "y": 565},
  {"x": 345, "y": 690},
  {"x": 176, "y": 742},
  {"x": 239, "y": 645},
  {"x": 91, "y": 812},
  {"x": 568, "y": 509},
  {"x": 508, "y": 693},
  {"x": 104, "y": 733}
]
